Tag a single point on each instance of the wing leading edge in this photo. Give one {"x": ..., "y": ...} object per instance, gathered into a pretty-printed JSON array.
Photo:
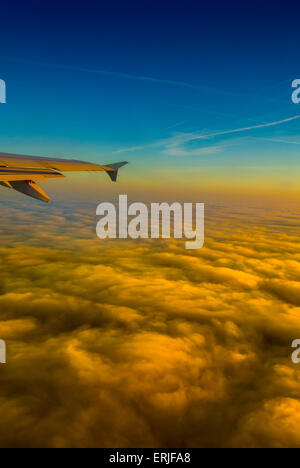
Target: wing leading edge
[{"x": 21, "y": 172}]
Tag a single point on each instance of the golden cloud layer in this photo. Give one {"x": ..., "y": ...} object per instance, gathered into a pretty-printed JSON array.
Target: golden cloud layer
[{"x": 135, "y": 344}]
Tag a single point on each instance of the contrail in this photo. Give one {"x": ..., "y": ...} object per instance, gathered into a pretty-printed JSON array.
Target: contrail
[
  {"x": 128, "y": 76},
  {"x": 280, "y": 140},
  {"x": 182, "y": 138},
  {"x": 245, "y": 129}
]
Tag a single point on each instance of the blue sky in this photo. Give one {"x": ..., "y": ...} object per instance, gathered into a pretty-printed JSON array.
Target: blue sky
[{"x": 145, "y": 82}]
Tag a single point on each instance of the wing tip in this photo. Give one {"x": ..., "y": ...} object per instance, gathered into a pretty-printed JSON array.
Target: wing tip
[{"x": 113, "y": 169}]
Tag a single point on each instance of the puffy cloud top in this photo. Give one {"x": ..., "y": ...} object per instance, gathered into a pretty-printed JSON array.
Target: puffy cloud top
[{"x": 134, "y": 344}]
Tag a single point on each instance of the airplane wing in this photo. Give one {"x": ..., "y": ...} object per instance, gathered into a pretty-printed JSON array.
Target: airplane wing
[{"x": 21, "y": 172}]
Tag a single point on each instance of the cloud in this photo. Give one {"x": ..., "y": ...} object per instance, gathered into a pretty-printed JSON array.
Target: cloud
[
  {"x": 174, "y": 145},
  {"x": 124, "y": 343},
  {"x": 180, "y": 151}
]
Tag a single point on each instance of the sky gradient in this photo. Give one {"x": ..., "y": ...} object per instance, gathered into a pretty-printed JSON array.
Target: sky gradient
[{"x": 163, "y": 86}]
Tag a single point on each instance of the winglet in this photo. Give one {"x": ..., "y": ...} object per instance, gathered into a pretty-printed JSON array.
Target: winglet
[{"x": 112, "y": 169}]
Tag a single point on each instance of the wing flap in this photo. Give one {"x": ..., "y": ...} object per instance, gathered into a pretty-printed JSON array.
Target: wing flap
[{"x": 29, "y": 188}]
